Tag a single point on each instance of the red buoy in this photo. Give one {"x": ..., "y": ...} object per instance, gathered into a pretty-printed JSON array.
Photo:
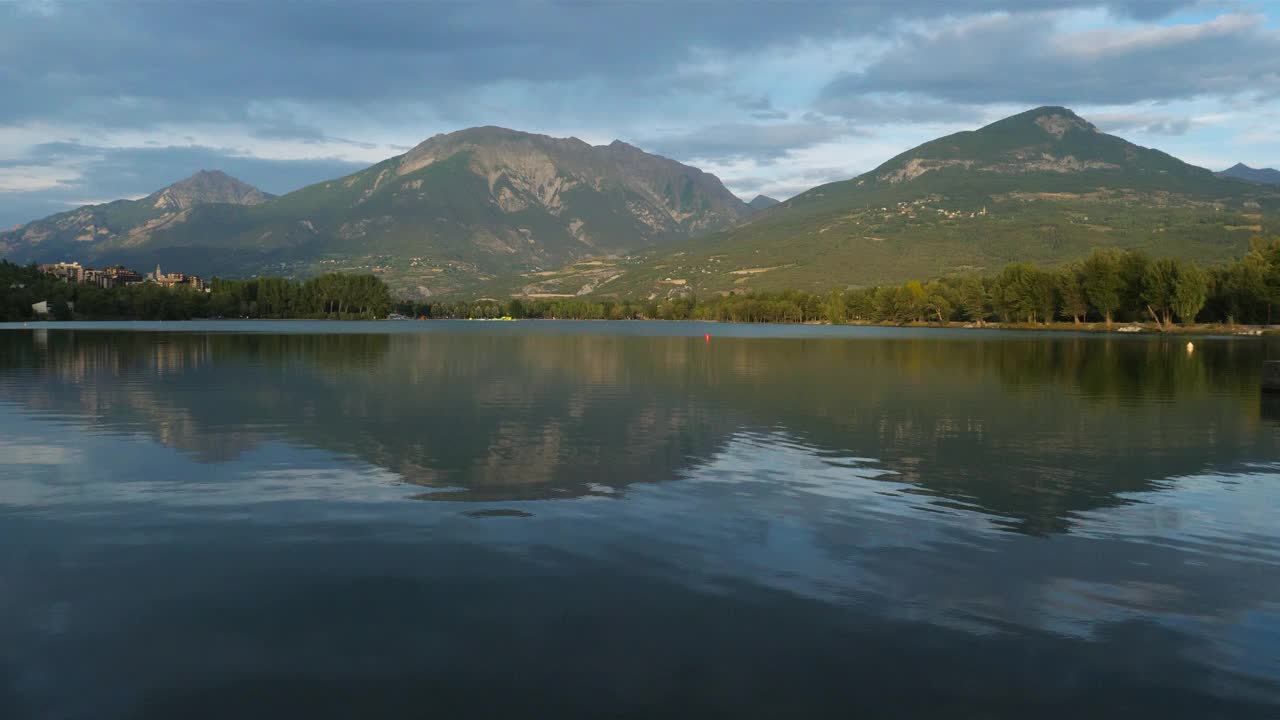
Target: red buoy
[{"x": 708, "y": 337}]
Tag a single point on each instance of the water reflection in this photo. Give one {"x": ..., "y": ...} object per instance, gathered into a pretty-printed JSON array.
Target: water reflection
[
  {"x": 1029, "y": 430},
  {"x": 221, "y": 525}
]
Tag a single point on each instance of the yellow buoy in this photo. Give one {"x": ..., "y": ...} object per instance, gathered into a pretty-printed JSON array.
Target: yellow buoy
[{"x": 1191, "y": 347}]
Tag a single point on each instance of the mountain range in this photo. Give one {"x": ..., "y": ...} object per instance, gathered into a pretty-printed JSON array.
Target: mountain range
[
  {"x": 1044, "y": 185},
  {"x": 456, "y": 210},
  {"x": 492, "y": 211}
]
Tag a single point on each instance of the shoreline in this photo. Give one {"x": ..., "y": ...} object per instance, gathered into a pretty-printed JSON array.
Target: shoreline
[
  {"x": 1147, "y": 328},
  {"x": 1116, "y": 328}
]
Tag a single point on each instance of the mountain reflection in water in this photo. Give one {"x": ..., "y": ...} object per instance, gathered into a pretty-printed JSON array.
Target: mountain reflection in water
[{"x": 995, "y": 525}]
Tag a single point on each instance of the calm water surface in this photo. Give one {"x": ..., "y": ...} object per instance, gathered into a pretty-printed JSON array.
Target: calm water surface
[{"x": 628, "y": 520}]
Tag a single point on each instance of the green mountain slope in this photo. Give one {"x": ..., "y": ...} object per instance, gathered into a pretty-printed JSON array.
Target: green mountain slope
[
  {"x": 457, "y": 210},
  {"x": 1044, "y": 186}
]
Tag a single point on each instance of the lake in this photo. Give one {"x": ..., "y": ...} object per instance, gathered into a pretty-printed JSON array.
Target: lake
[{"x": 554, "y": 519}]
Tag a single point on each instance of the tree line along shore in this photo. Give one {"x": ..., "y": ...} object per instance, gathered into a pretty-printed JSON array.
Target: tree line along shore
[
  {"x": 1108, "y": 287},
  {"x": 333, "y": 296}
]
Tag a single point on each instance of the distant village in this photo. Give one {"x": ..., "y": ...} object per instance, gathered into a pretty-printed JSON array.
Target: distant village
[{"x": 116, "y": 275}]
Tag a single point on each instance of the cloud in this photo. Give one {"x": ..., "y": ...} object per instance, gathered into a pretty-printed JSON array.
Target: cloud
[
  {"x": 897, "y": 108},
  {"x": 122, "y": 62},
  {"x": 136, "y": 62},
  {"x": 1141, "y": 123},
  {"x": 1028, "y": 59},
  {"x": 29, "y": 178},
  {"x": 786, "y": 186},
  {"x": 761, "y": 141}
]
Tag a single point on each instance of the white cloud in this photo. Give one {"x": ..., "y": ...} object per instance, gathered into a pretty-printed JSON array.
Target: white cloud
[
  {"x": 32, "y": 178},
  {"x": 1126, "y": 40}
]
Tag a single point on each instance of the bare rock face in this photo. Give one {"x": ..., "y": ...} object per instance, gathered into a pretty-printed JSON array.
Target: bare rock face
[
  {"x": 1058, "y": 123},
  {"x": 526, "y": 170}
]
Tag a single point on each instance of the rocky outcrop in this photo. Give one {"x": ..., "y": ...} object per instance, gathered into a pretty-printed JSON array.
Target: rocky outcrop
[
  {"x": 526, "y": 170},
  {"x": 206, "y": 186}
]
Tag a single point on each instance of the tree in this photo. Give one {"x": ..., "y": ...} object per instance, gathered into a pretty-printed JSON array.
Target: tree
[
  {"x": 889, "y": 305},
  {"x": 1264, "y": 255},
  {"x": 1239, "y": 292},
  {"x": 835, "y": 309},
  {"x": 1102, "y": 283},
  {"x": 1159, "y": 289},
  {"x": 1190, "y": 292},
  {"x": 1070, "y": 281},
  {"x": 1133, "y": 269},
  {"x": 937, "y": 301},
  {"x": 975, "y": 300},
  {"x": 914, "y": 306},
  {"x": 860, "y": 303},
  {"x": 1025, "y": 291}
]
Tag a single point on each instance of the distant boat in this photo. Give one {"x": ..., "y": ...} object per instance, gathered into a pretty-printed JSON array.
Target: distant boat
[
  {"x": 398, "y": 316},
  {"x": 1129, "y": 328}
]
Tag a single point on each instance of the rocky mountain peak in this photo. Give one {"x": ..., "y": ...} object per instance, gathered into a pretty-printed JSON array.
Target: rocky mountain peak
[
  {"x": 527, "y": 169},
  {"x": 206, "y": 186},
  {"x": 1058, "y": 124},
  {"x": 1047, "y": 139}
]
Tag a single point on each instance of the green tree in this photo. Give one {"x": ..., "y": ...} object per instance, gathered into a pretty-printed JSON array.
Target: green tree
[
  {"x": 914, "y": 308},
  {"x": 975, "y": 300},
  {"x": 1024, "y": 291},
  {"x": 1264, "y": 255},
  {"x": 1159, "y": 289},
  {"x": 835, "y": 310},
  {"x": 860, "y": 303},
  {"x": 938, "y": 301},
  {"x": 1102, "y": 282},
  {"x": 1190, "y": 292},
  {"x": 1070, "y": 282},
  {"x": 1133, "y": 271}
]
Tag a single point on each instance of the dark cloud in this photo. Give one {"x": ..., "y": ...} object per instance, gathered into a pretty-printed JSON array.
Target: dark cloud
[
  {"x": 112, "y": 173},
  {"x": 130, "y": 63},
  {"x": 1023, "y": 59}
]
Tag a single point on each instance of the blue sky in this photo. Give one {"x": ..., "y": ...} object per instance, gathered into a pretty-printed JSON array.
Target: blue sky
[{"x": 104, "y": 100}]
